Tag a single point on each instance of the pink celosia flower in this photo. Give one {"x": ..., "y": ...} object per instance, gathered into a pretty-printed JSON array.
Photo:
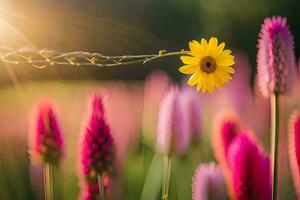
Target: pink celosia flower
[
  {"x": 171, "y": 128},
  {"x": 208, "y": 183},
  {"x": 294, "y": 150},
  {"x": 97, "y": 148},
  {"x": 251, "y": 175},
  {"x": 275, "y": 58},
  {"x": 225, "y": 128},
  {"x": 45, "y": 138}
]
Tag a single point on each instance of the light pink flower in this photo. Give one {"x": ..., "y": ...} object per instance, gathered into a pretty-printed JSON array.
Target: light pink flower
[
  {"x": 250, "y": 166},
  {"x": 124, "y": 115},
  {"x": 275, "y": 57},
  {"x": 156, "y": 86},
  {"x": 294, "y": 150},
  {"x": 45, "y": 137},
  {"x": 190, "y": 103},
  {"x": 171, "y": 128},
  {"x": 208, "y": 183}
]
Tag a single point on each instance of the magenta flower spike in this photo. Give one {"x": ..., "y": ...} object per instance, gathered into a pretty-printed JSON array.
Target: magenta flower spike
[
  {"x": 251, "y": 171},
  {"x": 225, "y": 129},
  {"x": 275, "y": 59},
  {"x": 97, "y": 147},
  {"x": 172, "y": 127},
  {"x": 45, "y": 138},
  {"x": 208, "y": 183},
  {"x": 294, "y": 150}
]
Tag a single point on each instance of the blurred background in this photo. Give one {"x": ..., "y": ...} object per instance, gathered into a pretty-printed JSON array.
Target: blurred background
[{"x": 118, "y": 27}]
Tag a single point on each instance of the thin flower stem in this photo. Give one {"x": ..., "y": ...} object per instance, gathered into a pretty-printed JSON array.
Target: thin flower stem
[
  {"x": 166, "y": 177},
  {"x": 101, "y": 187},
  {"x": 44, "y": 58},
  {"x": 275, "y": 135},
  {"x": 48, "y": 181}
]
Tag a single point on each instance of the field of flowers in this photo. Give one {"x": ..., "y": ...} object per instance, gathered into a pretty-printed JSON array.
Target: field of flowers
[{"x": 218, "y": 123}]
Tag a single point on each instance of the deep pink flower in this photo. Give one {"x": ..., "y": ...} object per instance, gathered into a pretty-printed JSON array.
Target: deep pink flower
[
  {"x": 45, "y": 137},
  {"x": 171, "y": 128},
  {"x": 294, "y": 150},
  {"x": 225, "y": 128},
  {"x": 275, "y": 58},
  {"x": 251, "y": 175},
  {"x": 208, "y": 183},
  {"x": 190, "y": 103},
  {"x": 97, "y": 147}
]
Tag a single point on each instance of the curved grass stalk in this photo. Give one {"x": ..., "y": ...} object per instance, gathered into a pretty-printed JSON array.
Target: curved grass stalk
[{"x": 44, "y": 58}]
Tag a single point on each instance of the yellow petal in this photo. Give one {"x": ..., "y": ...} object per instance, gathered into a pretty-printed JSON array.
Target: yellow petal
[
  {"x": 195, "y": 48},
  {"x": 230, "y": 70},
  {"x": 204, "y": 44},
  {"x": 188, "y": 69},
  {"x": 223, "y": 74},
  {"x": 225, "y": 62},
  {"x": 218, "y": 81},
  {"x": 200, "y": 81},
  {"x": 210, "y": 83},
  {"x": 189, "y": 60},
  {"x": 194, "y": 79},
  {"x": 213, "y": 42},
  {"x": 224, "y": 54},
  {"x": 224, "y": 57},
  {"x": 204, "y": 83},
  {"x": 220, "y": 48}
]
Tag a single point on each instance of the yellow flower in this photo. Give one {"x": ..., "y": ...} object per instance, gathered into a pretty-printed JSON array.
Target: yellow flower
[{"x": 209, "y": 64}]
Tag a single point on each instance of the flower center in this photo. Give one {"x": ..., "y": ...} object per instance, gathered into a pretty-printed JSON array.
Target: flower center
[{"x": 208, "y": 64}]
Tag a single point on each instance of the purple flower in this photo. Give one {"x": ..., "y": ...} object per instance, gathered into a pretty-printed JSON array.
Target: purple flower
[
  {"x": 97, "y": 147},
  {"x": 208, "y": 183},
  {"x": 294, "y": 150},
  {"x": 251, "y": 176},
  {"x": 45, "y": 137},
  {"x": 275, "y": 58},
  {"x": 172, "y": 127}
]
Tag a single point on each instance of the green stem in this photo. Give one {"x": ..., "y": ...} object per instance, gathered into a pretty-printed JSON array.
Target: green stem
[
  {"x": 166, "y": 177},
  {"x": 101, "y": 187},
  {"x": 48, "y": 181},
  {"x": 275, "y": 135}
]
